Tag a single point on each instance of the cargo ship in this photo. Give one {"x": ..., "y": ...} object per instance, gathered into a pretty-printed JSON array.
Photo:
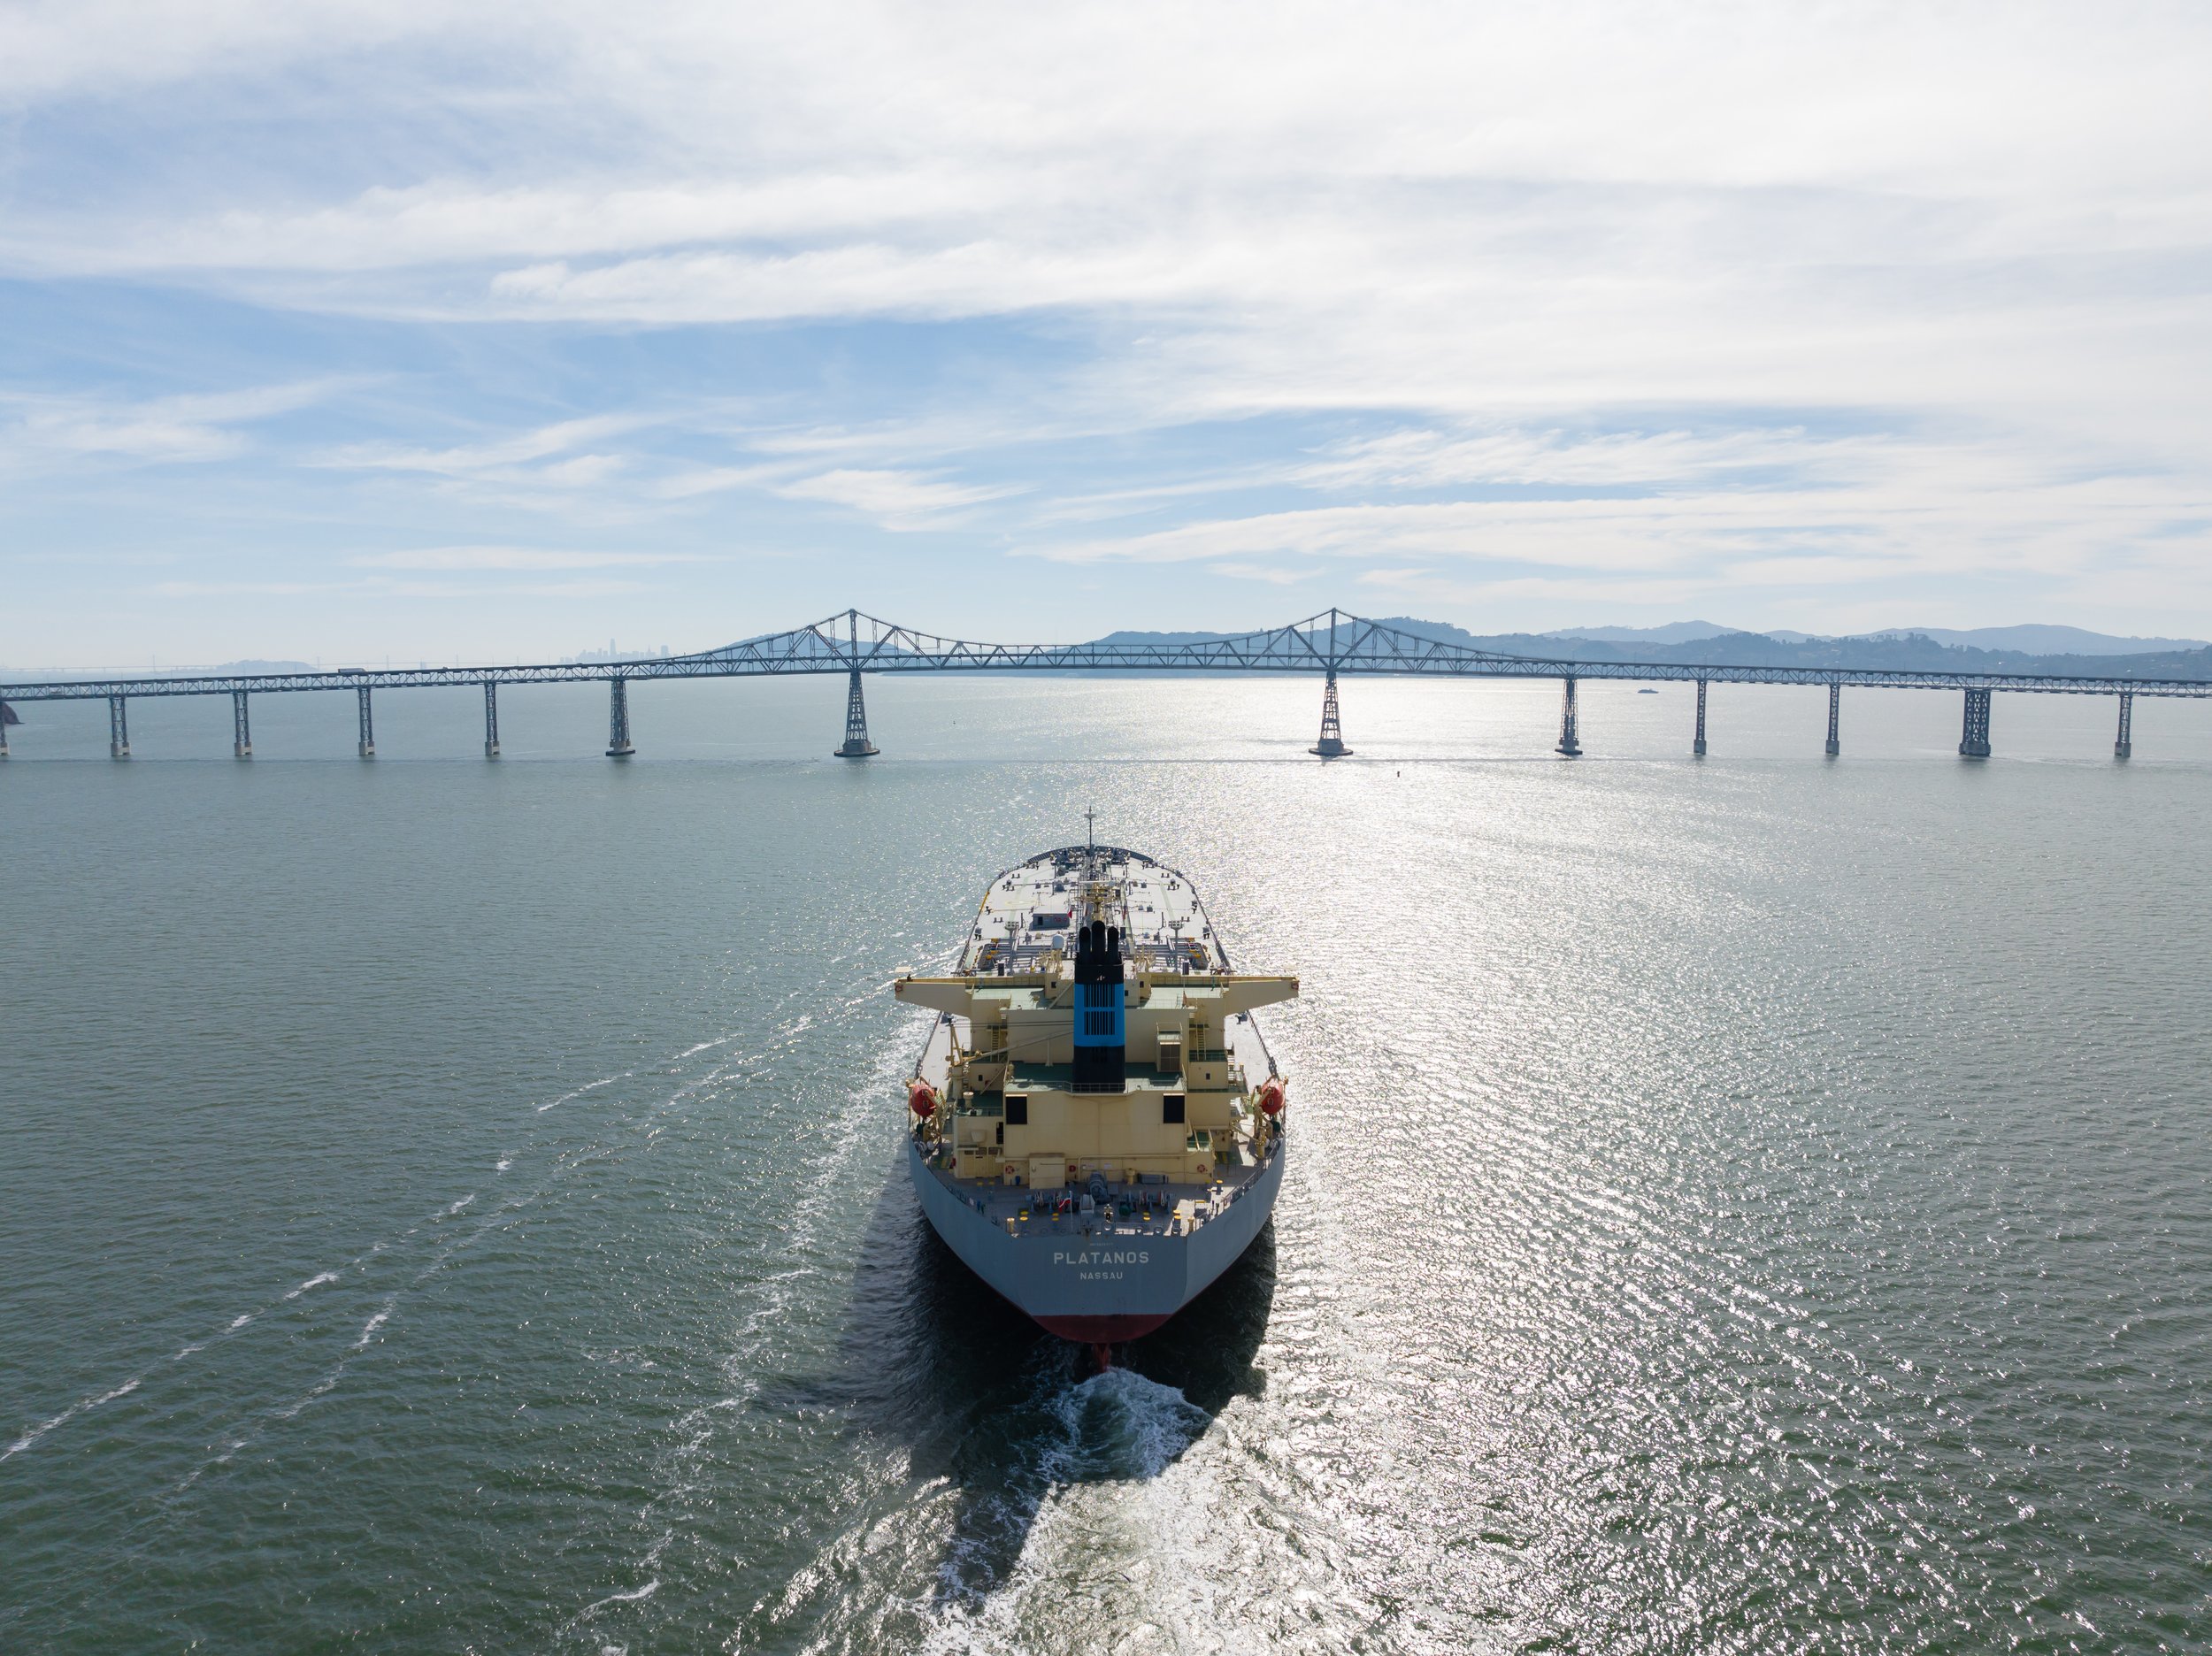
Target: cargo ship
[{"x": 1095, "y": 1125}]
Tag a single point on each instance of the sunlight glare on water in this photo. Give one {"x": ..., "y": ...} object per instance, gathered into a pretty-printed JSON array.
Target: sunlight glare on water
[{"x": 1752, "y": 1205}]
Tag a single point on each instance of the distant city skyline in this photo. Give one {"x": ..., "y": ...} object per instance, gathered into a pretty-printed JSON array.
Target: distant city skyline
[{"x": 345, "y": 332}]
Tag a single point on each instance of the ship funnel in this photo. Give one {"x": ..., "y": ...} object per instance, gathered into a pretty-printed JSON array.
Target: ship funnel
[{"x": 1100, "y": 1030}]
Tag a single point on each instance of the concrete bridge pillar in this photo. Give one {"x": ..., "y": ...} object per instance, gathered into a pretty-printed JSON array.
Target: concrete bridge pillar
[
  {"x": 1332, "y": 743},
  {"x": 2122, "y": 746},
  {"x": 1974, "y": 737},
  {"x": 118, "y": 729},
  {"x": 1698, "y": 745},
  {"x": 4, "y": 716},
  {"x": 1835, "y": 708},
  {"x": 856, "y": 743},
  {"x": 241, "y": 728},
  {"x": 491, "y": 719},
  {"x": 1570, "y": 744},
  {"x": 619, "y": 721},
  {"x": 368, "y": 726}
]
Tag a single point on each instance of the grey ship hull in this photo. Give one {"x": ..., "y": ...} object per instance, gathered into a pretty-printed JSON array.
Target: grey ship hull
[{"x": 1112, "y": 1283}]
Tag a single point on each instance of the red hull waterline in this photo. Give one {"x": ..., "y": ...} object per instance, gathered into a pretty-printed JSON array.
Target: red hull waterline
[{"x": 1101, "y": 1331}]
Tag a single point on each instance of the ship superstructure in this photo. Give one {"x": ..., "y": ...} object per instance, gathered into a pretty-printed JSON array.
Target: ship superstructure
[{"x": 1095, "y": 1125}]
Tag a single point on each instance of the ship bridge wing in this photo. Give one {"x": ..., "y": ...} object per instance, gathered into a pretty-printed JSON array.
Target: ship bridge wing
[
  {"x": 1241, "y": 993},
  {"x": 955, "y": 995}
]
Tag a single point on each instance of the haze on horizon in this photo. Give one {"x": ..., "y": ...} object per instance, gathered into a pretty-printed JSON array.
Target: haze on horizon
[{"x": 337, "y": 331}]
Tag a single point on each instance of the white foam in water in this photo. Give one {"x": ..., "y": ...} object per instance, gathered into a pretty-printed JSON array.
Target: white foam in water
[
  {"x": 70, "y": 1413},
  {"x": 1121, "y": 1425},
  {"x": 1115, "y": 1485},
  {"x": 589, "y": 1086},
  {"x": 504, "y": 1163},
  {"x": 457, "y": 1206},
  {"x": 37, "y": 1432},
  {"x": 240, "y": 1321},
  {"x": 316, "y": 1281},
  {"x": 323, "y": 1387},
  {"x": 368, "y": 1331}
]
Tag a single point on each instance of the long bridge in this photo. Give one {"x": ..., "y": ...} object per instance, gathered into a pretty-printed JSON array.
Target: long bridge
[{"x": 1329, "y": 644}]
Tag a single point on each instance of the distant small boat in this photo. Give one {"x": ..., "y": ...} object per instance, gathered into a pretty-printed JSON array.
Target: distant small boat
[{"x": 1647, "y": 693}]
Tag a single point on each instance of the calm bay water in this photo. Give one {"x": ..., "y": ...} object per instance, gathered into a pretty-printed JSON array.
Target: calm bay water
[{"x": 1754, "y": 1205}]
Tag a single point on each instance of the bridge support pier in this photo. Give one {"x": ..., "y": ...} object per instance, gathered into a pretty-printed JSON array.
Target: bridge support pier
[
  {"x": 619, "y": 721},
  {"x": 1974, "y": 737},
  {"x": 118, "y": 729},
  {"x": 1835, "y": 710},
  {"x": 241, "y": 728},
  {"x": 856, "y": 743},
  {"x": 1698, "y": 745},
  {"x": 1570, "y": 745},
  {"x": 1332, "y": 743},
  {"x": 4, "y": 716},
  {"x": 2122, "y": 746},
  {"x": 491, "y": 719},
  {"x": 368, "y": 726}
]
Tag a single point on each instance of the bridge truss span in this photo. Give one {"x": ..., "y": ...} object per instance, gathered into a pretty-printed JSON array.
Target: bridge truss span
[
  {"x": 1334, "y": 641},
  {"x": 1331, "y": 644}
]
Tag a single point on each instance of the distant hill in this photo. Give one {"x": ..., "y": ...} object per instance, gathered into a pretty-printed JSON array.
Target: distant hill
[
  {"x": 1139, "y": 640},
  {"x": 51, "y": 675},
  {"x": 1908, "y": 652},
  {"x": 1895, "y": 652},
  {"x": 1673, "y": 632},
  {"x": 2033, "y": 639},
  {"x": 2043, "y": 639}
]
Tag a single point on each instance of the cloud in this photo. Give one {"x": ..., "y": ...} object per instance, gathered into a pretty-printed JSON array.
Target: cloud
[
  {"x": 897, "y": 499},
  {"x": 511, "y": 557},
  {"x": 379, "y": 588},
  {"x": 1785, "y": 301},
  {"x": 504, "y": 456},
  {"x": 1412, "y": 458},
  {"x": 47, "y": 430},
  {"x": 1858, "y": 515}
]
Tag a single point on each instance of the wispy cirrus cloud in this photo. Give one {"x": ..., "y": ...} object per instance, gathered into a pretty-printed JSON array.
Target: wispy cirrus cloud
[
  {"x": 501, "y": 456},
  {"x": 380, "y": 589},
  {"x": 51, "y": 428},
  {"x": 897, "y": 499},
  {"x": 1850, "y": 515},
  {"x": 517, "y": 558}
]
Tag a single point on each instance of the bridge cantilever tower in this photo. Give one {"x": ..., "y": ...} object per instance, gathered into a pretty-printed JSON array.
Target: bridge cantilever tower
[
  {"x": 1332, "y": 743},
  {"x": 856, "y": 744}
]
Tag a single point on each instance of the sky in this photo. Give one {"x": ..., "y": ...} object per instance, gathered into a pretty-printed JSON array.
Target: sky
[{"x": 337, "y": 332}]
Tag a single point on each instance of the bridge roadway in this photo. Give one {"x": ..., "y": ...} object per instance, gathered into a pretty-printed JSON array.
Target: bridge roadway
[{"x": 854, "y": 643}]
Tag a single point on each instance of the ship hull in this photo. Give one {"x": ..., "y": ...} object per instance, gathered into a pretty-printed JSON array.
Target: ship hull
[{"x": 1100, "y": 1288}]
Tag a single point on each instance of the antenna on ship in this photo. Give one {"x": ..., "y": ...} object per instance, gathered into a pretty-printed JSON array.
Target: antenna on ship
[{"x": 1090, "y": 838}]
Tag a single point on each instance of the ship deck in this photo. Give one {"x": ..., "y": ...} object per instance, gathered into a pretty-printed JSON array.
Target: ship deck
[
  {"x": 1157, "y": 1210},
  {"x": 1028, "y": 911},
  {"x": 1165, "y": 930}
]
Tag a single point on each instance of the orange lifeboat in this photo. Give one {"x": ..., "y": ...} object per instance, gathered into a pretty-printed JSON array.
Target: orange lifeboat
[
  {"x": 1271, "y": 1098},
  {"x": 921, "y": 1098}
]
